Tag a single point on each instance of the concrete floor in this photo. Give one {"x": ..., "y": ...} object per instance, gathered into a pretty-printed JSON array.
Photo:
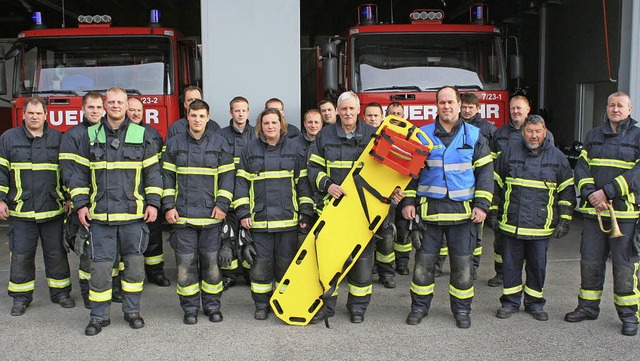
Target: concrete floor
[{"x": 47, "y": 331}]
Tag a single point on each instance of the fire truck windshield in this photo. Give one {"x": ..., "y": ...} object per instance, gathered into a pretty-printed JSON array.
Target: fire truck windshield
[
  {"x": 426, "y": 61},
  {"x": 76, "y": 65}
]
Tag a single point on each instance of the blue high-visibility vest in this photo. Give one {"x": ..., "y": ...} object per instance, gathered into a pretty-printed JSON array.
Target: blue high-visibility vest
[{"x": 450, "y": 171}]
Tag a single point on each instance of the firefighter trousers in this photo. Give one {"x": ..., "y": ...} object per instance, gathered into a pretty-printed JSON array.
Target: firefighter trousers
[
  {"x": 514, "y": 253},
  {"x": 385, "y": 255},
  {"x": 107, "y": 242},
  {"x": 594, "y": 250},
  {"x": 199, "y": 279},
  {"x": 402, "y": 244},
  {"x": 477, "y": 252},
  {"x": 462, "y": 241},
  {"x": 23, "y": 241},
  {"x": 154, "y": 255},
  {"x": 275, "y": 251},
  {"x": 360, "y": 283},
  {"x": 497, "y": 252}
]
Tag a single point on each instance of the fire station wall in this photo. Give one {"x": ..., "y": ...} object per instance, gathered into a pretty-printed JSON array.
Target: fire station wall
[
  {"x": 577, "y": 64},
  {"x": 251, "y": 49}
]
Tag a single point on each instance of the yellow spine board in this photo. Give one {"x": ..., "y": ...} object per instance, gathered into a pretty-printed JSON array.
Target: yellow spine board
[{"x": 344, "y": 232}]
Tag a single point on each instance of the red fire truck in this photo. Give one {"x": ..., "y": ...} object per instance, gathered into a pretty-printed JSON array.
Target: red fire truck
[
  {"x": 407, "y": 63},
  {"x": 61, "y": 65}
]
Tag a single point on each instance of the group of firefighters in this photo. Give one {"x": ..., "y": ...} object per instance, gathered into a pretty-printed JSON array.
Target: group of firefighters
[{"x": 244, "y": 197}]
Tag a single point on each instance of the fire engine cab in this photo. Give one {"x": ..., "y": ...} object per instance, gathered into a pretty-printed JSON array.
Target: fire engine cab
[
  {"x": 408, "y": 63},
  {"x": 152, "y": 63}
]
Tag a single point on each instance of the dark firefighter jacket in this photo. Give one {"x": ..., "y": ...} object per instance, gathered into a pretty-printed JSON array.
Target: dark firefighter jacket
[
  {"x": 118, "y": 173},
  {"x": 198, "y": 175},
  {"x": 30, "y": 181},
  {"x": 69, "y": 146},
  {"x": 181, "y": 125},
  {"x": 332, "y": 154},
  {"x": 609, "y": 161},
  {"x": 533, "y": 190},
  {"x": 237, "y": 140},
  {"x": 270, "y": 186}
]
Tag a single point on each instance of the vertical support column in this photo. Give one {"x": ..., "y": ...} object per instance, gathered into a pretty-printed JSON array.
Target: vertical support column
[
  {"x": 252, "y": 49},
  {"x": 629, "y": 72}
]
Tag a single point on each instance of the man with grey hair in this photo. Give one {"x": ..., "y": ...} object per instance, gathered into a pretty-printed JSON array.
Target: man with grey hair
[
  {"x": 332, "y": 154},
  {"x": 532, "y": 176},
  {"x": 607, "y": 174}
]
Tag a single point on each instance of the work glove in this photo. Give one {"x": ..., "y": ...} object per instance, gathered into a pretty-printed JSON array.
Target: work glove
[
  {"x": 69, "y": 230},
  {"x": 492, "y": 219},
  {"x": 562, "y": 228},
  {"x": 82, "y": 239},
  {"x": 248, "y": 246},
  {"x": 225, "y": 254},
  {"x": 415, "y": 234}
]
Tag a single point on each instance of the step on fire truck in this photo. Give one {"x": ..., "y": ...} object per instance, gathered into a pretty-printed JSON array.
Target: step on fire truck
[
  {"x": 408, "y": 63},
  {"x": 152, "y": 63}
]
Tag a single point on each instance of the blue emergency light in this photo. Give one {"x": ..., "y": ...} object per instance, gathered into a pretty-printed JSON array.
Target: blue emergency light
[
  {"x": 37, "y": 18},
  {"x": 154, "y": 17},
  {"x": 367, "y": 14}
]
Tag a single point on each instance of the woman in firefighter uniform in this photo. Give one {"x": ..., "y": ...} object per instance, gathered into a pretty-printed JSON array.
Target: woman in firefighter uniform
[
  {"x": 608, "y": 174},
  {"x": 535, "y": 197},
  {"x": 271, "y": 198},
  {"x": 31, "y": 198},
  {"x": 198, "y": 175}
]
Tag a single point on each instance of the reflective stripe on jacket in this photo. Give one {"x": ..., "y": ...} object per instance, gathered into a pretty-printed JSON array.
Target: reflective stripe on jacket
[
  {"x": 533, "y": 190},
  {"x": 198, "y": 175},
  {"x": 118, "y": 173},
  {"x": 30, "y": 182},
  {"x": 609, "y": 161},
  {"x": 269, "y": 187}
]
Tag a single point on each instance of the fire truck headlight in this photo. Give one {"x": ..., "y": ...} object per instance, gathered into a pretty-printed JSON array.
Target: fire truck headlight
[
  {"x": 106, "y": 18},
  {"x": 97, "y": 19}
]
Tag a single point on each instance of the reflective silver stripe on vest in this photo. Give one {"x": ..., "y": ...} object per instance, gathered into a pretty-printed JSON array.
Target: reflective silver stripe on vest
[
  {"x": 432, "y": 189},
  {"x": 434, "y": 163},
  {"x": 462, "y": 193},
  {"x": 461, "y": 167}
]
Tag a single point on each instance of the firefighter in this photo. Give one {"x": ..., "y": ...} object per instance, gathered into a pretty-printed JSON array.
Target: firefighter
[
  {"x": 238, "y": 133},
  {"x": 385, "y": 236},
  {"x": 93, "y": 110},
  {"x": 292, "y": 130},
  {"x": 198, "y": 175},
  {"x": 531, "y": 176},
  {"x": 116, "y": 190},
  {"x": 402, "y": 244},
  {"x": 503, "y": 138},
  {"x": 311, "y": 126},
  {"x": 331, "y": 156},
  {"x": 373, "y": 114},
  {"x": 154, "y": 255},
  {"x": 31, "y": 199},
  {"x": 271, "y": 199},
  {"x": 607, "y": 174},
  {"x": 189, "y": 94},
  {"x": 396, "y": 109},
  {"x": 452, "y": 194},
  {"x": 470, "y": 113},
  {"x": 328, "y": 110}
]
